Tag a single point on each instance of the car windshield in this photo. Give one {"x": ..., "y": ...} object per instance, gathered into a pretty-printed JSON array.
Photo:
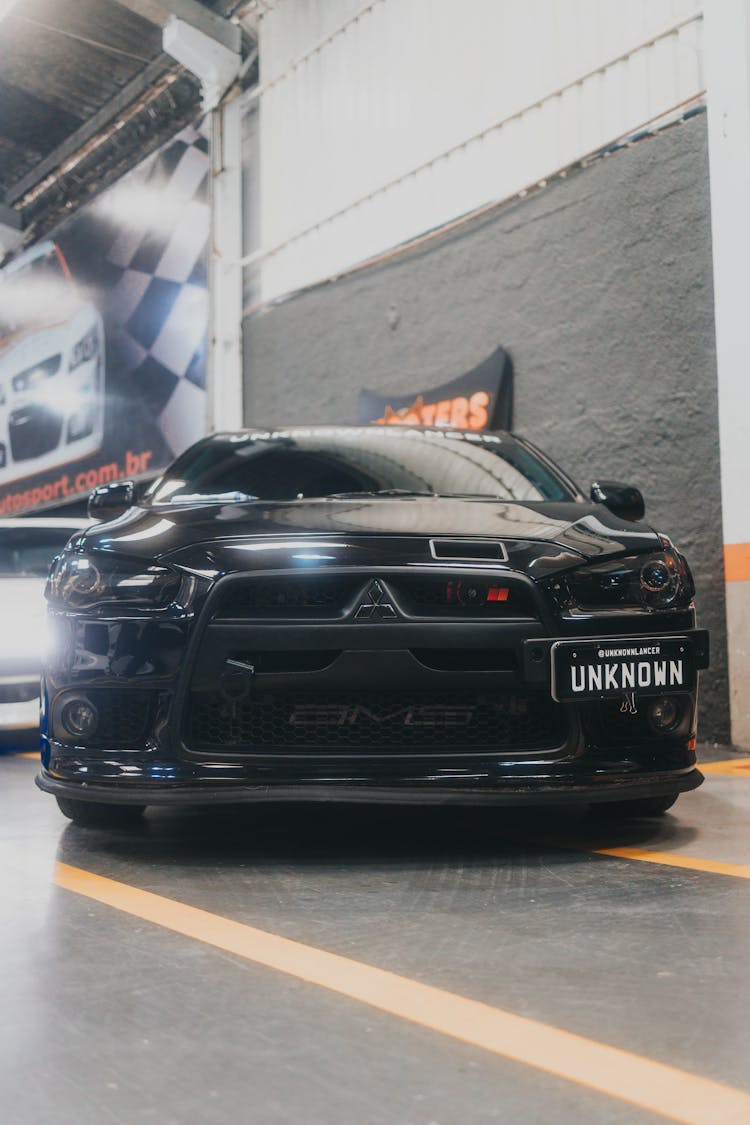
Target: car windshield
[
  {"x": 389, "y": 461},
  {"x": 30, "y": 550},
  {"x": 28, "y": 294}
]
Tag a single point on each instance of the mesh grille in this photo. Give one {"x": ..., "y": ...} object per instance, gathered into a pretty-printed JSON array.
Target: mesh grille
[
  {"x": 335, "y": 595},
  {"x": 124, "y": 717},
  {"x": 323, "y": 596},
  {"x": 447, "y": 595},
  {"x": 423, "y": 722}
]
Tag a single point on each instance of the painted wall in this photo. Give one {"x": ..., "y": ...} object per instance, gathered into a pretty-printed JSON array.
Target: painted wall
[
  {"x": 600, "y": 287},
  {"x": 380, "y": 121}
]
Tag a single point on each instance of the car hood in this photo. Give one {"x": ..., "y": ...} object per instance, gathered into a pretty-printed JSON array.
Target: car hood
[{"x": 186, "y": 535}]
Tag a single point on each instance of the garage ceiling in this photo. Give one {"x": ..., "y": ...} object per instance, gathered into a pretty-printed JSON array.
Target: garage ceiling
[{"x": 85, "y": 93}]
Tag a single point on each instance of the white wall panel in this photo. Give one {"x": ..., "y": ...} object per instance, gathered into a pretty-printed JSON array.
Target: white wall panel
[{"x": 419, "y": 111}]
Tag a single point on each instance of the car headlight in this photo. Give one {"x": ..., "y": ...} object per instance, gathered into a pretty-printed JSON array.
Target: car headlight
[
  {"x": 34, "y": 377},
  {"x": 658, "y": 581},
  {"x": 85, "y": 349},
  {"x": 82, "y": 582}
]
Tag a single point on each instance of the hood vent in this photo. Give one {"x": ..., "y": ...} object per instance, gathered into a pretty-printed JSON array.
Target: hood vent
[{"x": 469, "y": 550}]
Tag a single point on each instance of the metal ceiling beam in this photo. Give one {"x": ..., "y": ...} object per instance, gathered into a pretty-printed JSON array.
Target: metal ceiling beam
[
  {"x": 151, "y": 121},
  {"x": 158, "y": 12},
  {"x": 90, "y": 128},
  {"x": 192, "y": 12}
]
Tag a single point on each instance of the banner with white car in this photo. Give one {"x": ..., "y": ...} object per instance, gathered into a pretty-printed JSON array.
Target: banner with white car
[{"x": 103, "y": 333}]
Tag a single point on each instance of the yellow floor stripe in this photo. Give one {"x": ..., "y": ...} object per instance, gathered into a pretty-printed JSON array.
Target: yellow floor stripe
[
  {"x": 33, "y": 754},
  {"x": 650, "y": 855},
  {"x": 735, "y": 767},
  {"x": 672, "y": 859},
  {"x": 675, "y": 1094}
]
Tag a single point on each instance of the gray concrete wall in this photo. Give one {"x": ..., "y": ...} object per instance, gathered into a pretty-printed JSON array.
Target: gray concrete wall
[{"x": 600, "y": 288}]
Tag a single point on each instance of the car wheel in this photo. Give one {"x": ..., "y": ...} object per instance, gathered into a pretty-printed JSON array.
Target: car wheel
[
  {"x": 642, "y": 806},
  {"x": 92, "y": 814}
]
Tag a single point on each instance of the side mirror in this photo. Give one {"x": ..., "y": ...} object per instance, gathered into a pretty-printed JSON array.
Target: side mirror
[
  {"x": 111, "y": 500},
  {"x": 623, "y": 500}
]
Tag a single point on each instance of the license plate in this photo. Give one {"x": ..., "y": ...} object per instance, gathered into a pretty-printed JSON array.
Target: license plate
[{"x": 602, "y": 669}]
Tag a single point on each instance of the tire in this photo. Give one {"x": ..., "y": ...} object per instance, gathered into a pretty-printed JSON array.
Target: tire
[
  {"x": 91, "y": 814},
  {"x": 642, "y": 806}
]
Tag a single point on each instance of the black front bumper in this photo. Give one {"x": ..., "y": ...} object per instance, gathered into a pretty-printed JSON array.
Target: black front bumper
[
  {"x": 582, "y": 790},
  {"x": 157, "y": 687}
]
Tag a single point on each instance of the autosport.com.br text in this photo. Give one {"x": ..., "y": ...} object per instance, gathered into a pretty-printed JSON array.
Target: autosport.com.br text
[{"x": 133, "y": 465}]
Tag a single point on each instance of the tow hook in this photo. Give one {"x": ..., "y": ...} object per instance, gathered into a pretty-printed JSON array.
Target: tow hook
[
  {"x": 628, "y": 705},
  {"x": 236, "y": 681}
]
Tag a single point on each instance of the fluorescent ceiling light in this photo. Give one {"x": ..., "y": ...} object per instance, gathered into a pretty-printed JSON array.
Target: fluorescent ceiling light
[{"x": 5, "y": 7}]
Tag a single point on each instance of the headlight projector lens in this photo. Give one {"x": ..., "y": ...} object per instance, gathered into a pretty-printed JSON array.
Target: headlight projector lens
[
  {"x": 82, "y": 580},
  {"x": 655, "y": 577},
  {"x": 80, "y": 718},
  {"x": 664, "y": 714}
]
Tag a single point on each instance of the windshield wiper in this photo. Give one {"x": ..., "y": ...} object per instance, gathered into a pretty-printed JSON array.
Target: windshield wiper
[
  {"x": 209, "y": 498},
  {"x": 474, "y": 496},
  {"x": 378, "y": 492}
]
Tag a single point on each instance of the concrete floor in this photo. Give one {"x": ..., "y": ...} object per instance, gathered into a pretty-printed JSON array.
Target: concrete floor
[{"x": 107, "y": 1017}]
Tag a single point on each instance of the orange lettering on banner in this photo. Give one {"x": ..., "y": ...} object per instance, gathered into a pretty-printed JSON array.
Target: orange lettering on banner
[
  {"x": 443, "y": 416},
  {"x": 463, "y": 413},
  {"x": 460, "y": 413},
  {"x": 478, "y": 404}
]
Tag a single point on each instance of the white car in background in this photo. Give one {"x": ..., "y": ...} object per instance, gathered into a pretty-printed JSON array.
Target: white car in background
[
  {"x": 51, "y": 366},
  {"x": 27, "y": 548}
]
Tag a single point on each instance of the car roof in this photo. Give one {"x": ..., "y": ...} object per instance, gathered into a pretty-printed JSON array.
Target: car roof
[{"x": 333, "y": 427}]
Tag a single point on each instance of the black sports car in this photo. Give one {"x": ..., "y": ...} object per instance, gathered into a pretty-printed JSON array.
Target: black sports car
[{"x": 368, "y": 614}]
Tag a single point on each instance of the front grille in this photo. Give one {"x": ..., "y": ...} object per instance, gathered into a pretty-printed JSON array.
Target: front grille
[
  {"x": 404, "y": 722},
  {"x": 124, "y": 717},
  {"x": 308, "y": 596},
  {"x": 34, "y": 430},
  {"x": 336, "y": 596},
  {"x": 456, "y": 596}
]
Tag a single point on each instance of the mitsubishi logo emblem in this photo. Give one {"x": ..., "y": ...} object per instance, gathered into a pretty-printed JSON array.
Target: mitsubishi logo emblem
[{"x": 375, "y": 608}]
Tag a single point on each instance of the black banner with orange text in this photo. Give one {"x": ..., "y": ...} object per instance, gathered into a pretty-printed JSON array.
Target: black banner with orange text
[{"x": 481, "y": 399}]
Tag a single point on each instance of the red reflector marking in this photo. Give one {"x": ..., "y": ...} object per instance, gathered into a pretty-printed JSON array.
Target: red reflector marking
[{"x": 498, "y": 594}]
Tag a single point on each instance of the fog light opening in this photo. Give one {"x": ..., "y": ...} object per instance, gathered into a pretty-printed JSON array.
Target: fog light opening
[
  {"x": 664, "y": 714},
  {"x": 80, "y": 718}
]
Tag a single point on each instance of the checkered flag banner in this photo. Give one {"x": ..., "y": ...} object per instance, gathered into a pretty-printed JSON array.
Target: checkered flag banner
[
  {"x": 159, "y": 305},
  {"x": 103, "y": 335}
]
